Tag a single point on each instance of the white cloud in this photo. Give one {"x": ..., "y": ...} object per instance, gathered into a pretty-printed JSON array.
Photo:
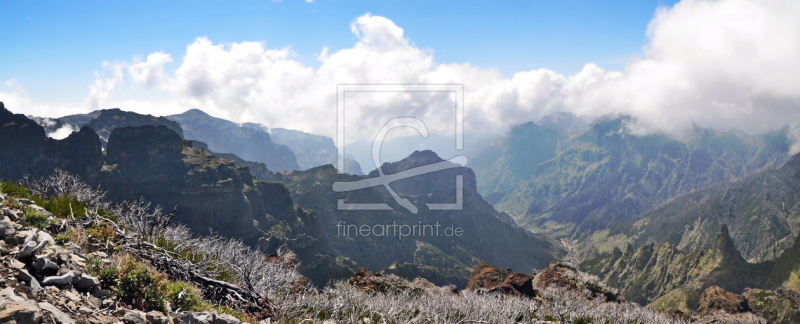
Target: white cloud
[
  {"x": 724, "y": 64},
  {"x": 62, "y": 132},
  {"x": 100, "y": 90},
  {"x": 151, "y": 71}
]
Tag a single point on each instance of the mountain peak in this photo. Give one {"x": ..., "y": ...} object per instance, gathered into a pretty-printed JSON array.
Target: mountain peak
[
  {"x": 425, "y": 155},
  {"x": 724, "y": 245},
  {"x": 195, "y": 112}
]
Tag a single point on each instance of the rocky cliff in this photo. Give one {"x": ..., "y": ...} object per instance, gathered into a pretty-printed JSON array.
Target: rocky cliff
[
  {"x": 485, "y": 233},
  {"x": 664, "y": 277},
  {"x": 228, "y": 137},
  {"x": 154, "y": 163}
]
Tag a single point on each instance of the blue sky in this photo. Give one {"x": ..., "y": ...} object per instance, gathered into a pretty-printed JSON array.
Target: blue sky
[
  {"x": 725, "y": 64},
  {"x": 53, "y": 48}
]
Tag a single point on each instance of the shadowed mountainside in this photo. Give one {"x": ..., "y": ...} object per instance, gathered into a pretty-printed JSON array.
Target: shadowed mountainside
[
  {"x": 154, "y": 163},
  {"x": 226, "y": 136},
  {"x": 574, "y": 185},
  {"x": 487, "y": 234},
  {"x": 662, "y": 276},
  {"x": 761, "y": 211},
  {"x": 311, "y": 150}
]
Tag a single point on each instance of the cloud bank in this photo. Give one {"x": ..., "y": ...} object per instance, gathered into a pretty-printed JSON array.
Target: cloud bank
[{"x": 723, "y": 64}]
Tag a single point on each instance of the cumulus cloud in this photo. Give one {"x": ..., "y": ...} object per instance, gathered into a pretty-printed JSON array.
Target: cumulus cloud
[
  {"x": 151, "y": 71},
  {"x": 724, "y": 64},
  {"x": 100, "y": 90}
]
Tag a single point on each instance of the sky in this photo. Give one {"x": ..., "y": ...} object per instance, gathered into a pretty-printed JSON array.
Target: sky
[{"x": 670, "y": 65}]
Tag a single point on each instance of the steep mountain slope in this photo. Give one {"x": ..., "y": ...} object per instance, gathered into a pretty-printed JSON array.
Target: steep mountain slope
[
  {"x": 487, "y": 234},
  {"x": 762, "y": 212},
  {"x": 574, "y": 185},
  {"x": 663, "y": 276},
  {"x": 109, "y": 119},
  {"x": 25, "y": 149},
  {"x": 311, "y": 150},
  {"x": 225, "y": 136},
  {"x": 154, "y": 163}
]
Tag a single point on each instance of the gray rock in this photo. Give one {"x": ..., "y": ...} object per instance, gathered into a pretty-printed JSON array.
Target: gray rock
[
  {"x": 58, "y": 316},
  {"x": 15, "y": 215},
  {"x": 25, "y": 201},
  {"x": 204, "y": 318},
  {"x": 132, "y": 318},
  {"x": 156, "y": 317},
  {"x": 7, "y": 296},
  {"x": 94, "y": 301},
  {"x": 226, "y": 319},
  {"x": 22, "y": 312},
  {"x": 87, "y": 282},
  {"x": 101, "y": 293},
  {"x": 16, "y": 265},
  {"x": 59, "y": 280},
  {"x": 73, "y": 246},
  {"x": 71, "y": 296},
  {"x": 23, "y": 275},
  {"x": 7, "y": 229},
  {"x": 108, "y": 303}
]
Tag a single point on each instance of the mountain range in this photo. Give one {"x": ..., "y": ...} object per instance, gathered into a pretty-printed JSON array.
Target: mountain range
[
  {"x": 661, "y": 276},
  {"x": 294, "y": 211},
  {"x": 284, "y": 150},
  {"x": 577, "y": 185}
]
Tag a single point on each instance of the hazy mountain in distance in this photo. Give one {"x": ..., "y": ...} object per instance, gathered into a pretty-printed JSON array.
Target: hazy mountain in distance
[
  {"x": 311, "y": 150},
  {"x": 109, "y": 119},
  {"x": 487, "y": 233},
  {"x": 567, "y": 122},
  {"x": 102, "y": 121},
  {"x": 761, "y": 211},
  {"x": 662, "y": 276},
  {"x": 54, "y": 127},
  {"x": 155, "y": 163},
  {"x": 394, "y": 149},
  {"x": 573, "y": 185},
  {"x": 226, "y": 136},
  {"x": 80, "y": 119}
]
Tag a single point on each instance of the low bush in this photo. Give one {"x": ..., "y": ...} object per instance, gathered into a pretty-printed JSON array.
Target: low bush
[
  {"x": 14, "y": 189},
  {"x": 109, "y": 276},
  {"x": 102, "y": 232},
  {"x": 184, "y": 296},
  {"x": 141, "y": 287},
  {"x": 35, "y": 219},
  {"x": 62, "y": 239}
]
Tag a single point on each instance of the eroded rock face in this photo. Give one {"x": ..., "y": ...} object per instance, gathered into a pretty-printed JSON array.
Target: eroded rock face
[
  {"x": 110, "y": 119},
  {"x": 486, "y": 275},
  {"x": 26, "y": 149},
  {"x": 21, "y": 312},
  {"x": 715, "y": 299},
  {"x": 155, "y": 163}
]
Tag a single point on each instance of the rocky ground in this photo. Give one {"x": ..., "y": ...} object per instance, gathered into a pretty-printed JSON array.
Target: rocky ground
[{"x": 44, "y": 282}]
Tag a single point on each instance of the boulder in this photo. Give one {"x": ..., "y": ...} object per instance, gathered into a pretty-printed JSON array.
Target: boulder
[
  {"x": 24, "y": 275},
  {"x": 7, "y": 296},
  {"x": 487, "y": 276},
  {"x": 132, "y": 318},
  {"x": 27, "y": 312},
  {"x": 7, "y": 229},
  {"x": 56, "y": 314},
  {"x": 517, "y": 284},
  {"x": 86, "y": 281},
  {"x": 204, "y": 318},
  {"x": 156, "y": 317}
]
